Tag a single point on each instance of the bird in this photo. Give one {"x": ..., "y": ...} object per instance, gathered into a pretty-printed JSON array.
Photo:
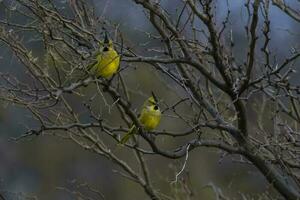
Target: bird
[
  {"x": 149, "y": 118},
  {"x": 107, "y": 60}
]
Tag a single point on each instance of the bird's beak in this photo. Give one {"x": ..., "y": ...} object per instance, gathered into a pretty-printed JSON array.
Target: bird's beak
[
  {"x": 156, "y": 100},
  {"x": 106, "y": 40}
]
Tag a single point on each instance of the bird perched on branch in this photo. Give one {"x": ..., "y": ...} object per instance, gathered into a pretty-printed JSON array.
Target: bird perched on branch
[
  {"x": 107, "y": 60},
  {"x": 149, "y": 118}
]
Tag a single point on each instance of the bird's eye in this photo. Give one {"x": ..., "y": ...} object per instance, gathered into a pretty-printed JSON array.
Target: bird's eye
[
  {"x": 105, "y": 49},
  {"x": 155, "y": 108}
]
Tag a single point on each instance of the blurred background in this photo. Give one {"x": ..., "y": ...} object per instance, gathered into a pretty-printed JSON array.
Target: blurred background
[{"x": 48, "y": 167}]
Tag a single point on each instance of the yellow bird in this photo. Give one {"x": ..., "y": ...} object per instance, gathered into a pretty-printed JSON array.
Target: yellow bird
[
  {"x": 108, "y": 60},
  {"x": 149, "y": 118}
]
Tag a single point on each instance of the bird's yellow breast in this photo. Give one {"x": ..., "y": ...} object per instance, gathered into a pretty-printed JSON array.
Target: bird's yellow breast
[
  {"x": 108, "y": 63},
  {"x": 150, "y": 119}
]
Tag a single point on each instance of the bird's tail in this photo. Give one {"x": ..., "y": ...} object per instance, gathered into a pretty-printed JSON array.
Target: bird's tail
[{"x": 126, "y": 137}]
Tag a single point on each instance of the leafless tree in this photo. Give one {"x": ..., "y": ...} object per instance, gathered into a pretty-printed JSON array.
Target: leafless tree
[{"x": 243, "y": 105}]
